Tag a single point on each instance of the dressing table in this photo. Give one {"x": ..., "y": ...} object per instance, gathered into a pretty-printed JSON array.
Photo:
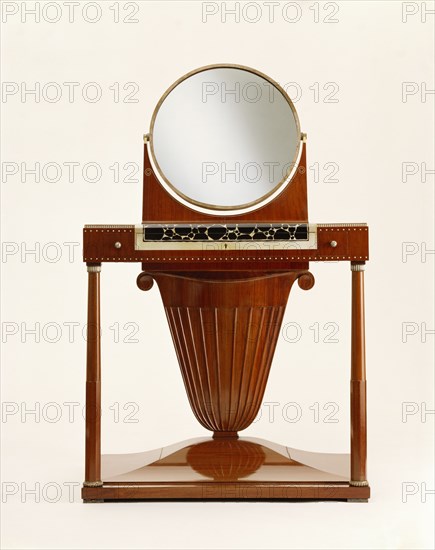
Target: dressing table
[{"x": 225, "y": 235}]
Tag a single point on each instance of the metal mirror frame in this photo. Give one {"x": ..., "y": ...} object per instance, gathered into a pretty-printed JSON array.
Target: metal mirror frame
[{"x": 212, "y": 208}]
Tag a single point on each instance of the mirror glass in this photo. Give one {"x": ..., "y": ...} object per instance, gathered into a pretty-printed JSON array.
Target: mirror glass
[{"x": 225, "y": 138}]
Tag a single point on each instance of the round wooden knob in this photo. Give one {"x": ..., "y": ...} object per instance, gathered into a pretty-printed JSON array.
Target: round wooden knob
[
  {"x": 306, "y": 280},
  {"x": 144, "y": 281}
]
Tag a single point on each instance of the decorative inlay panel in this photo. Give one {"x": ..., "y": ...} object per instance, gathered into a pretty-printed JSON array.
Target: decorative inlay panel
[
  {"x": 100, "y": 245},
  {"x": 225, "y": 232}
]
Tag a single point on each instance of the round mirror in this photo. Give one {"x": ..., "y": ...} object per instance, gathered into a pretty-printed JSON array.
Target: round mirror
[{"x": 225, "y": 137}]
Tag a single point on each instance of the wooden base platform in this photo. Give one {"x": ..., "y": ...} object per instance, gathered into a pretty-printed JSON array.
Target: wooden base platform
[{"x": 225, "y": 469}]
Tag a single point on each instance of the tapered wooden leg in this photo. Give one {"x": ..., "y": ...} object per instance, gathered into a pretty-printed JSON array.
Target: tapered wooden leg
[
  {"x": 93, "y": 381},
  {"x": 358, "y": 414}
]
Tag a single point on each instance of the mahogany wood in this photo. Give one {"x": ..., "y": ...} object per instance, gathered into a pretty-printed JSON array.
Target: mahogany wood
[
  {"x": 144, "y": 281},
  {"x": 93, "y": 382},
  {"x": 224, "y": 308},
  {"x": 290, "y": 205},
  {"x": 358, "y": 414},
  {"x": 225, "y": 328},
  {"x": 306, "y": 281},
  {"x": 225, "y": 491},
  {"x": 352, "y": 245},
  {"x": 246, "y": 468}
]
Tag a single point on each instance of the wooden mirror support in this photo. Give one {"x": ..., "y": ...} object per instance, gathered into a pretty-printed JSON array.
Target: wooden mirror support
[{"x": 224, "y": 282}]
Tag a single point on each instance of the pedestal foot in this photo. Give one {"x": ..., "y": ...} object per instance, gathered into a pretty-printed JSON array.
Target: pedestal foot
[{"x": 225, "y": 435}]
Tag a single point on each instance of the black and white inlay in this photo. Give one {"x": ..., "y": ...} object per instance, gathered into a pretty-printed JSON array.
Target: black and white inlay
[{"x": 226, "y": 232}]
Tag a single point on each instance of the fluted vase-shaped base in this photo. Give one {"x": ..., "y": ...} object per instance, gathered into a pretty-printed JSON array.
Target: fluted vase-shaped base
[{"x": 225, "y": 328}]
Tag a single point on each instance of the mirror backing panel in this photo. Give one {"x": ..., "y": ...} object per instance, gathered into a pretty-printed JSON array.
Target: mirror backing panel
[{"x": 289, "y": 205}]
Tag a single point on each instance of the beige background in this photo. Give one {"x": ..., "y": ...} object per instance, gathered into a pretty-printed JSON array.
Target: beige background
[{"x": 363, "y": 61}]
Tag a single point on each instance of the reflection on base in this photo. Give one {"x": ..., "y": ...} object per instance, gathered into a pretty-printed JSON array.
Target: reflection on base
[
  {"x": 225, "y": 469},
  {"x": 225, "y": 460}
]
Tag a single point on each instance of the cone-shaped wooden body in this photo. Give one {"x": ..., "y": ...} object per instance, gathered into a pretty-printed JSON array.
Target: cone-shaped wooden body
[{"x": 225, "y": 328}]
